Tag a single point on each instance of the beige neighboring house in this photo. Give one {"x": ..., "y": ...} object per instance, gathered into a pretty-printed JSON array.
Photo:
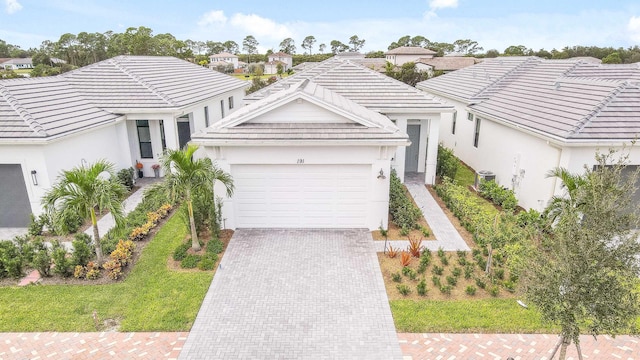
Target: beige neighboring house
[
  {"x": 271, "y": 66},
  {"x": 404, "y": 54},
  {"x": 445, "y": 64},
  {"x": 223, "y": 58}
]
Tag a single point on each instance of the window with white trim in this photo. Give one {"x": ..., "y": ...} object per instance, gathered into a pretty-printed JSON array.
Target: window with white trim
[
  {"x": 476, "y": 133},
  {"x": 470, "y": 116},
  {"x": 230, "y": 102},
  {"x": 206, "y": 116},
  {"x": 453, "y": 123},
  {"x": 144, "y": 139}
]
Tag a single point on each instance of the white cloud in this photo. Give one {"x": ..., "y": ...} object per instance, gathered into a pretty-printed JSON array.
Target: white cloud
[
  {"x": 441, "y": 4},
  {"x": 634, "y": 28},
  {"x": 12, "y": 6},
  {"x": 213, "y": 17},
  {"x": 260, "y": 27}
]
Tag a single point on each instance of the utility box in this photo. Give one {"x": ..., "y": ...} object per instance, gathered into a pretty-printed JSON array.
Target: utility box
[{"x": 485, "y": 175}]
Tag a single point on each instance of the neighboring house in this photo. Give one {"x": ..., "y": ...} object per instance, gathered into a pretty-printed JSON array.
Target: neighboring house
[
  {"x": 271, "y": 67},
  {"x": 315, "y": 149},
  {"x": 17, "y": 64},
  {"x": 125, "y": 109},
  {"x": 405, "y": 54},
  {"x": 445, "y": 64},
  {"x": 520, "y": 117},
  {"x": 224, "y": 57},
  {"x": 282, "y": 57}
]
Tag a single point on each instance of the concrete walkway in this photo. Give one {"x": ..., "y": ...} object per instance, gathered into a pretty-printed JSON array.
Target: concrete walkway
[
  {"x": 107, "y": 222},
  {"x": 295, "y": 294},
  {"x": 447, "y": 237}
]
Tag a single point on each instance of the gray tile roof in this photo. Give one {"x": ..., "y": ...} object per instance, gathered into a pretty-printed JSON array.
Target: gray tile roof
[
  {"x": 364, "y": 86},
  {"x": 45, "y": 107},
  {"x": 567, "y": 100},
  {"x": 54, "y": 106},
  {"x": 448, "y": 63},
  {"x": 134, "y": 82},
  {"x": 410, "y": 50},
  {"x": 366, "y": 126}
]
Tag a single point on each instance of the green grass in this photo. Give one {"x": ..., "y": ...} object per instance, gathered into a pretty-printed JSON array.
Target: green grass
[
  {"x": 460, "y": 316},
  {"x": 151, "y": 298}
]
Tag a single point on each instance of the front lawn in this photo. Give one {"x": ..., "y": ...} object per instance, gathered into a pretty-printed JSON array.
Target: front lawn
[
  {"x": 466, "y": 316},
  {"x": 151, "y": 298}
]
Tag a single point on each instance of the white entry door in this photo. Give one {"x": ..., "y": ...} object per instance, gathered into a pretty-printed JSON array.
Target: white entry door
[{"x": 301, "y": 196}]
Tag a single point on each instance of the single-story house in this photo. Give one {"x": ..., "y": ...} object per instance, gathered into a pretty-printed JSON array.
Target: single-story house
[
  {"x": 404, "y": 54},
  {"x": 17, "y": 63},
  {"x": 224, "y": 57},
  {"x": 520, "y": 117},
  {"x": 316, "y": 149},
  {"x": 126, "y": 109}
]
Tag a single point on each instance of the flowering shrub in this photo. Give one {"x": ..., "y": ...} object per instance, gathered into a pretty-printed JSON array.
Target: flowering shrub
[{"x": 120, "y": 258}]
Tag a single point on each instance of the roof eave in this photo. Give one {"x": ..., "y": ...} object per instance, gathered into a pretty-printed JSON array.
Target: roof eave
[{"x": 299, "y": 142}]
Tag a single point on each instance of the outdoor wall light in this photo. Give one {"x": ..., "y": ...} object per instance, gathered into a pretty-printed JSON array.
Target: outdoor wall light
[
  {"x": 381, "y": 175},
  {"x": 34, "y": 177}
]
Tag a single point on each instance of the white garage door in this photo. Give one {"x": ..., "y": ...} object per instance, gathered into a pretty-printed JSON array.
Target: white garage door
[{"x": 301, "y": 196}]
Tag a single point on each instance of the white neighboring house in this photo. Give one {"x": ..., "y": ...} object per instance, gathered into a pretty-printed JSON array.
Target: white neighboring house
[
  {"x": 125, "y": 109},
  {"x": 17, "y": 63},
  {"x": 314, "y": 150},
  {"x": 405, "y": 54},
  {"x": 224, "y": 57},
  {"x": 520, "y": 117},
  {"x": 271, "y": 66}
]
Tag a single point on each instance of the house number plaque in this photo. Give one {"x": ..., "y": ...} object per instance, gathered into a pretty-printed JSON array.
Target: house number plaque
[{"x": 300, "y": 161}]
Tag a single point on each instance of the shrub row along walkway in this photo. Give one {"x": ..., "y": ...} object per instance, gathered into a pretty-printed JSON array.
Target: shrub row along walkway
[
  {"x": 447, "y": 237},
  {"x": 414, "y": 346}
]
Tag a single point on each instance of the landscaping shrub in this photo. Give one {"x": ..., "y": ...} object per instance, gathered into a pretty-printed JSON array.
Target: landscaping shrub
[
  {"x": 82, "y": 250},
  {"x": 215, "y": 246},
  {"x": 405, "y": 258},
  {"x": 404, "y": 212},
  {"x": 470, "y": 290},
  {"x": 421, "y": 288},
  {"x": 437, "y": 270},
  {"x": 480, "y": 283},
  {"x": 456, "y": 272},
  {"x": 391, "y": 252},
  {"x": 468, "y": 271},
  {"x": 125, "y": 176},
  {"x": 208, "y": 262},
  {"x": 494, "y": 290},
  {"x": 447, "y": 163},
  {"x": 446, "y": 289},
  {"x": 415, "y": 247},
  {"x": 403, "y": 289},
  {"x": 61, "y": 260},
  {"x": 396, "y": 277},
  {"x": 42, "y": 258},
  {"x": 10, "y": 260},
  {"x": 119, "y": 258},
  {"x": 436, "y": 281},
  {"x": 190, "y": 261},
  {"x": 36, "y": 225},
  {"x": 181, "y": 251},
  {"x": 452, "y": 280},
  {"x": 498, "y": 194},
  {"x": 499, "y": 273}
]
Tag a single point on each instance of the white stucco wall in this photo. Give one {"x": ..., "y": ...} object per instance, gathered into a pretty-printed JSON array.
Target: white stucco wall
[{"x": 375, "y": 156}]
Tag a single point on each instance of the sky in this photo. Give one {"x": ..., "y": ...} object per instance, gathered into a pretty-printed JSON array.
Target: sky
[{"x": 494, "y": 24}]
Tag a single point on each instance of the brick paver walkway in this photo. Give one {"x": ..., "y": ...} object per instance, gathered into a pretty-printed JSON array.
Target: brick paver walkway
[
  {"x": 112, "y": 345},
  {"x": 22, "y": 346},
  {"x": 296, "y": 294},
  {"x": 519, "y": 347}
]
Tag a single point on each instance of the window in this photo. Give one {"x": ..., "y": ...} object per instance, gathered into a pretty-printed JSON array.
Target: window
[
  {"x": 453, "y": 123},
  {"x": 162, "y": 139},
  {"x": 144, "y": 138},
  {"x": 206, "y": 116},
  {"x": 222, "y": 107},
  {"x": 476, "y": 133},
  {"x": 470, "y": 116},
  {"x": 230, "y": 102}
]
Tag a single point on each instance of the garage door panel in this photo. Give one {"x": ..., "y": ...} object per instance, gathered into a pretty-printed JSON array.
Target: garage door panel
[
  {"x": 301, "y": 195},
  {"x": 14, "y": 199}
]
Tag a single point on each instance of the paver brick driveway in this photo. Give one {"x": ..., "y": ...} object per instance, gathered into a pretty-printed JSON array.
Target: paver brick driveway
[{"x": 296, "y": 294}]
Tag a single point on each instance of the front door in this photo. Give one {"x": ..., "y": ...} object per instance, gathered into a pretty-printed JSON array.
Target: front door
[
  {"x": 412, "y": 152},
  {"x": 184, "y": 133}
]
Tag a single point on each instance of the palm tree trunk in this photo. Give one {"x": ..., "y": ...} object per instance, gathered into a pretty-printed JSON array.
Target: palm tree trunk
[
  {"x": 195, "y": 244},
  {"x": 563, "y": 349},
  {"x": 96, "y": 237}
]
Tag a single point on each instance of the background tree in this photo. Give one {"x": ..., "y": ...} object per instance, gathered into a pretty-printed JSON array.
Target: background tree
[
  {"x": 493, "y": 53},
  {"x": 420, "y": 41},
  {"x": 466, "y": 47},
  {"x": 403, "y": 41},
  {"x": 338, "y": 47},
  {"x": 517, "y": 50},
  {"x": 231, "y": 46},
  {"x": 308, "y": 42},
  {"x": 288, "y": 46},
  {"x": 442, "y": 48},
  {"x": 585, "y": 275},
  {"x": 321, "y": 48},
  {"x": 356, "y": 43},
  {"x": 83, "y": 190},
  {"x": 250, "y": 46},
  {"x": 613, "y": 58},
  {"x": 187, "y": 178}
]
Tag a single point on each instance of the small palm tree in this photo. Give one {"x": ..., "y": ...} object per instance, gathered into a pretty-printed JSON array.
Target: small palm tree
[
  {"x": 571, "y": 183},
  {"x": 186, "y": 175},
  {"x": 83, "y": 190}
]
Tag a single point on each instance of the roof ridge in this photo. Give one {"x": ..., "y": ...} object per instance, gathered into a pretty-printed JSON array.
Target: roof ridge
[
  {"x": 140, "y": 80},
  {"x": 22, "y": 112},
  {"x": 567, "y": 72},
  {"x": 598, "y": 108},
  {"x": 507, "y": 76}
]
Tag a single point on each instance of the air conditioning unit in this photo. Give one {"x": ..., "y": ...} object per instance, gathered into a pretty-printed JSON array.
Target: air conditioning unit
[{"x": 485, "y": 175}]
